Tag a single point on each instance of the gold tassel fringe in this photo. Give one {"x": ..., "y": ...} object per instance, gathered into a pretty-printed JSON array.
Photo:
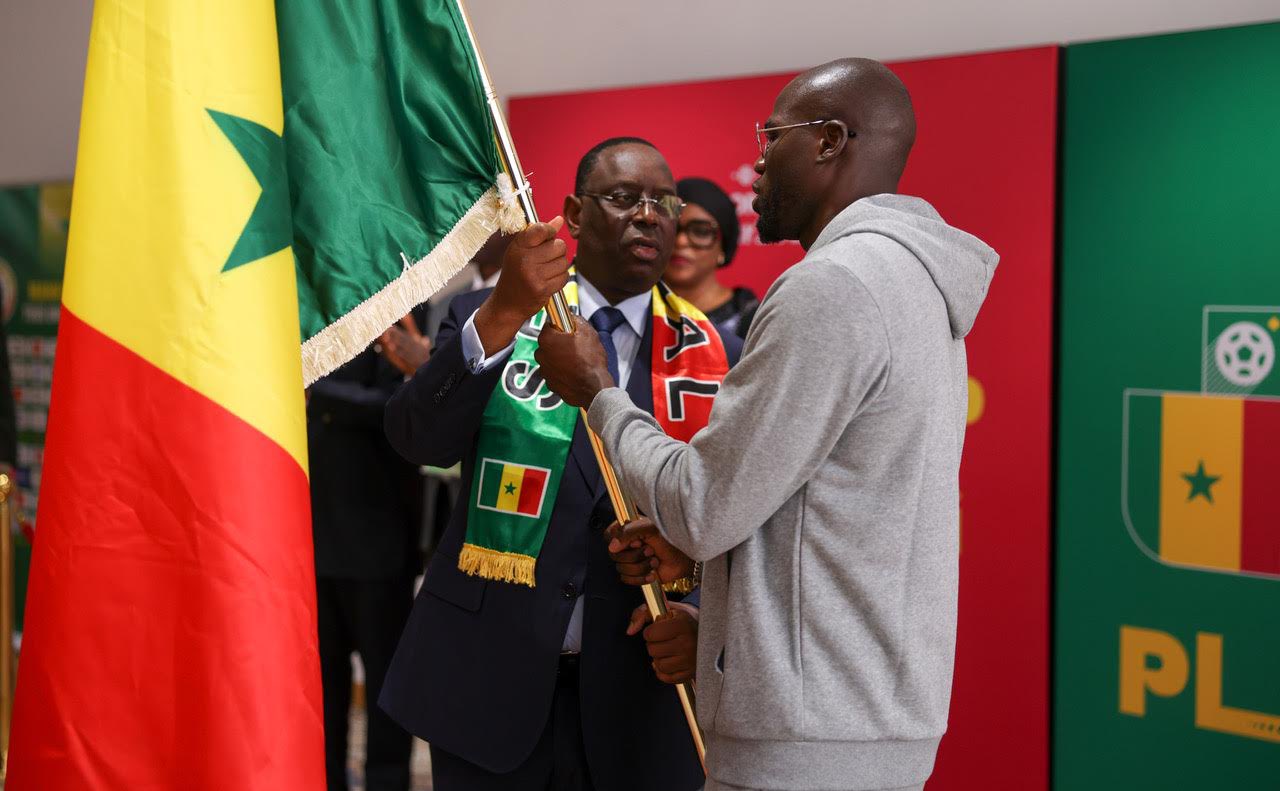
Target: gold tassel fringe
[
  {"x": 494, "y": 565},
  {"x": 497, "y": 209}
]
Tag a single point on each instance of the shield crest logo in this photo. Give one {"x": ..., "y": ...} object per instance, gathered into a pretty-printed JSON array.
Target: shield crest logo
[{"x": 1200, "y": 480}]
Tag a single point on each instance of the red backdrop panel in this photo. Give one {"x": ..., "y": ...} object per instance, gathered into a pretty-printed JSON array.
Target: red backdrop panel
[{"x": 985, "y": 157}]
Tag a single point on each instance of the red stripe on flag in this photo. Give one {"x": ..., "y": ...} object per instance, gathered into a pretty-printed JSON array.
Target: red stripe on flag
[
  {"x": 171, "y": 620},
  {"x": 1260, "y": 501},
  {"x": 531, "y": 491}
]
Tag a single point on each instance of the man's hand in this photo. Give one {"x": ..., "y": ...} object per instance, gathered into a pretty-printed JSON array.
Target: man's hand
[
  {"x": 405, "y": 347},
  {"x": 533, "y": 268},
  {"x": 642, "y": 555},
  {"x": 672, "y": 641},
  {"x": 574, "y": 364}
]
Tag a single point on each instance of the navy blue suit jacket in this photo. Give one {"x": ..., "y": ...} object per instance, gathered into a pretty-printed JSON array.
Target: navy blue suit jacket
[{"x": 475, "y": 671}]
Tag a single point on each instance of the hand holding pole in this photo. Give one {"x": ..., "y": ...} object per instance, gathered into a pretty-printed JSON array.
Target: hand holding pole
[{"x": 559, "y": 314}]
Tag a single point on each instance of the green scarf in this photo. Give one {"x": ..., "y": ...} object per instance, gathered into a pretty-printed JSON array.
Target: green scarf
[{"x": 526, "y": 433}]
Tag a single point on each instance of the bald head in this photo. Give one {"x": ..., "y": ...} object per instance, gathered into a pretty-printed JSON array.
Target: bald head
[
  {"x": 871, "y": 101},
  {"x": 860, "y": 150}
]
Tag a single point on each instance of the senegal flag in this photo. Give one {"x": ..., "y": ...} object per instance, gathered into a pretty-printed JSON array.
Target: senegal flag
[
  {"x": 393, "y": 170},
  {"x": 512, "y": 488},
  {"x": 1200, "y": 474},
  {"x": 171, "y": 626}
]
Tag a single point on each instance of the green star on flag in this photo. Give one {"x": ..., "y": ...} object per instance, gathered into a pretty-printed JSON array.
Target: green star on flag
[
  {"x": 268, "y": 229},
  {"x": 1200, "y": 483}
]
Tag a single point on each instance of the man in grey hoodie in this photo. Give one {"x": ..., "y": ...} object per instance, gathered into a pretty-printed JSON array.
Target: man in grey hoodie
[{"x": 823, "y": 496}]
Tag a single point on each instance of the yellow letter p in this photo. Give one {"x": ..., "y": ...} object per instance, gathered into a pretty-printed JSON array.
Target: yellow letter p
[{"x": 1136, "y": 678}]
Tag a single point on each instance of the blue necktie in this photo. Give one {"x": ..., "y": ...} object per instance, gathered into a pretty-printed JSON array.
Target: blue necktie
[{"x": 606, "y": 320}]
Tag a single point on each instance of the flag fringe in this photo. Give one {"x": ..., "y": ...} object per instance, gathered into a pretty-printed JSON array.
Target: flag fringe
[
  {"x": 497, "y": 209},
  {"x": 494, "y": 565}
]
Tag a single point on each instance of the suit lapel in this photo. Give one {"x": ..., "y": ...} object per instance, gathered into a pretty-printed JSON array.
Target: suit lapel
[
  {"x": 584, "y": 458},
  {"x": 640, "y": 385}
]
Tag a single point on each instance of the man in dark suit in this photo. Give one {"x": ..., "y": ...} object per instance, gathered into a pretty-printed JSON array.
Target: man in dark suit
[
  {"x": 364, "y": 521},
  {"x": 520, "y": 687}
]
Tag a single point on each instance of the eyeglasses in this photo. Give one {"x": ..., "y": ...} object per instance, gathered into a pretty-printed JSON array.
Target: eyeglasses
[
  {"x": 701, "y": 233},
  {"x": 762, "y": 134},
  {"x": 627, "y": 202}
]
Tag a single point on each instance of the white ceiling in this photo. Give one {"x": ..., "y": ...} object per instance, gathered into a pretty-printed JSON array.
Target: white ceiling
[{"x": 550, "y": 46}]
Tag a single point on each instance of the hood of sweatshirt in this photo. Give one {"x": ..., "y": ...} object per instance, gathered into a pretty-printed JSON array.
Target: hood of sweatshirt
[{"x": 960, "y": 263}]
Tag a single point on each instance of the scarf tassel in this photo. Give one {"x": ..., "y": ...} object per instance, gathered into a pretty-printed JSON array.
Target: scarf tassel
[{"x": 495, "y": 565}]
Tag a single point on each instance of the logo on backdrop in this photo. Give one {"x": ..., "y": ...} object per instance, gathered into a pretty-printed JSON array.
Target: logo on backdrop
[
  {"x": 744, "y": 176},
  {"x": 1238, "y": 352},
  {"x": 1170, "y": 675},
  {"x": 1198, "y": 468}
]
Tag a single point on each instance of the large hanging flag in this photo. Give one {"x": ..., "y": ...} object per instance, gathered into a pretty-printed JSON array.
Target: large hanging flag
[
  {"x": 1199, "y": 479},
  {"x": 393, "y": 168},
  {"x": 171, "y": 626}
]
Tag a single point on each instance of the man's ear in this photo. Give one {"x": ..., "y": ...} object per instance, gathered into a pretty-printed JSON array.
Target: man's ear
[
  {"x": 573, "y": 214},
  {"x": 832, "y": 140}
]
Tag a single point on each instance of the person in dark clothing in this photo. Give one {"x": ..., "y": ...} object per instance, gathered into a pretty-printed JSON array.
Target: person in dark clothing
[
  {"x": 536, "y": 684},
  {"x": 407, "y": 348},
  {"x": 706, "y": 241},
  {"x": 364, "y": 504}
]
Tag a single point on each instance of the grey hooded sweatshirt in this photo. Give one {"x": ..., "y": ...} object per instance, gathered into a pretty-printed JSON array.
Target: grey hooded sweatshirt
[{"x": 823, "y": 498}]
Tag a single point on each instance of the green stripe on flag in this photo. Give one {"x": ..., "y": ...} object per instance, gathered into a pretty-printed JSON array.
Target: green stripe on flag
[
  {"x": 391, "y": 161},
  {"x": 490, "y": 482},
  {"x": 1142, "y": 467}
]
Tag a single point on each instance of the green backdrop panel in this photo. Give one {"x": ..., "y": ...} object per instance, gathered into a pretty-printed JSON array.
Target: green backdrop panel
[
  {"x": 1170, "y": 285},
  {"x": 33, "y": 248}
]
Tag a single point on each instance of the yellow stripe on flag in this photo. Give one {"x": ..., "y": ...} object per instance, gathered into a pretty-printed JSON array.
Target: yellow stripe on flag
[
  {"x": 509, "y": 491},
  {"x": 162, "y": 196},
  {"x": 1201, "y": 440}
]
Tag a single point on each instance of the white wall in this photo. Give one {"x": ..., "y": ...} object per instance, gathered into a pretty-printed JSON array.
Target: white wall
[
  {"x": 547, "y": 46},
  {"x": 42, "y": 55}
]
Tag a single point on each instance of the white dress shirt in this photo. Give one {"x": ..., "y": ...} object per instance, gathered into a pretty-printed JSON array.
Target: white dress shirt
[
  {"x": 626, "y": 340},
  {"x": 478, "y": 282}
]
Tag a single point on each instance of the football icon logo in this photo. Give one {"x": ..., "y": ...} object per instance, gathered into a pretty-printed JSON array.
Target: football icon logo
[{"x": 1244, "y": 353}]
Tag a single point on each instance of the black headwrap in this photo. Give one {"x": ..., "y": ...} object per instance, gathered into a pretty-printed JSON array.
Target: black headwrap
[{"x": 713, "y": 201}]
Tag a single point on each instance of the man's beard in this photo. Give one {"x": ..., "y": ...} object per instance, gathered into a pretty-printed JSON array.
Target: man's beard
[{"x": 769, "y": 225}]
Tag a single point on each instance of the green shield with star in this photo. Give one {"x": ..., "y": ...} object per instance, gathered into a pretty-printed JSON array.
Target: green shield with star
[{"x": 1198, "y": 473}]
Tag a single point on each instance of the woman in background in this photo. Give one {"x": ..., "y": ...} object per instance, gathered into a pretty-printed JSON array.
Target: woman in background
[{"x": 706, "y": 240}]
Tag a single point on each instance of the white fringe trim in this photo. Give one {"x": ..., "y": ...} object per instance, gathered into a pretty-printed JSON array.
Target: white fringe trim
[
  {"x": 511, "y": 217},
  {"x": 497, "y": 209}
]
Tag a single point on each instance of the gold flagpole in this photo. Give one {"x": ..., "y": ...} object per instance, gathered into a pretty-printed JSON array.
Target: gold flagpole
[
  {"x": 558, "y": 310},
  {"x": 6, "y": 622}
]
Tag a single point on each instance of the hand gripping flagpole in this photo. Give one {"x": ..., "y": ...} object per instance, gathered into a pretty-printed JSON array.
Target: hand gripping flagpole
[{"x": 558, "y": 311}]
